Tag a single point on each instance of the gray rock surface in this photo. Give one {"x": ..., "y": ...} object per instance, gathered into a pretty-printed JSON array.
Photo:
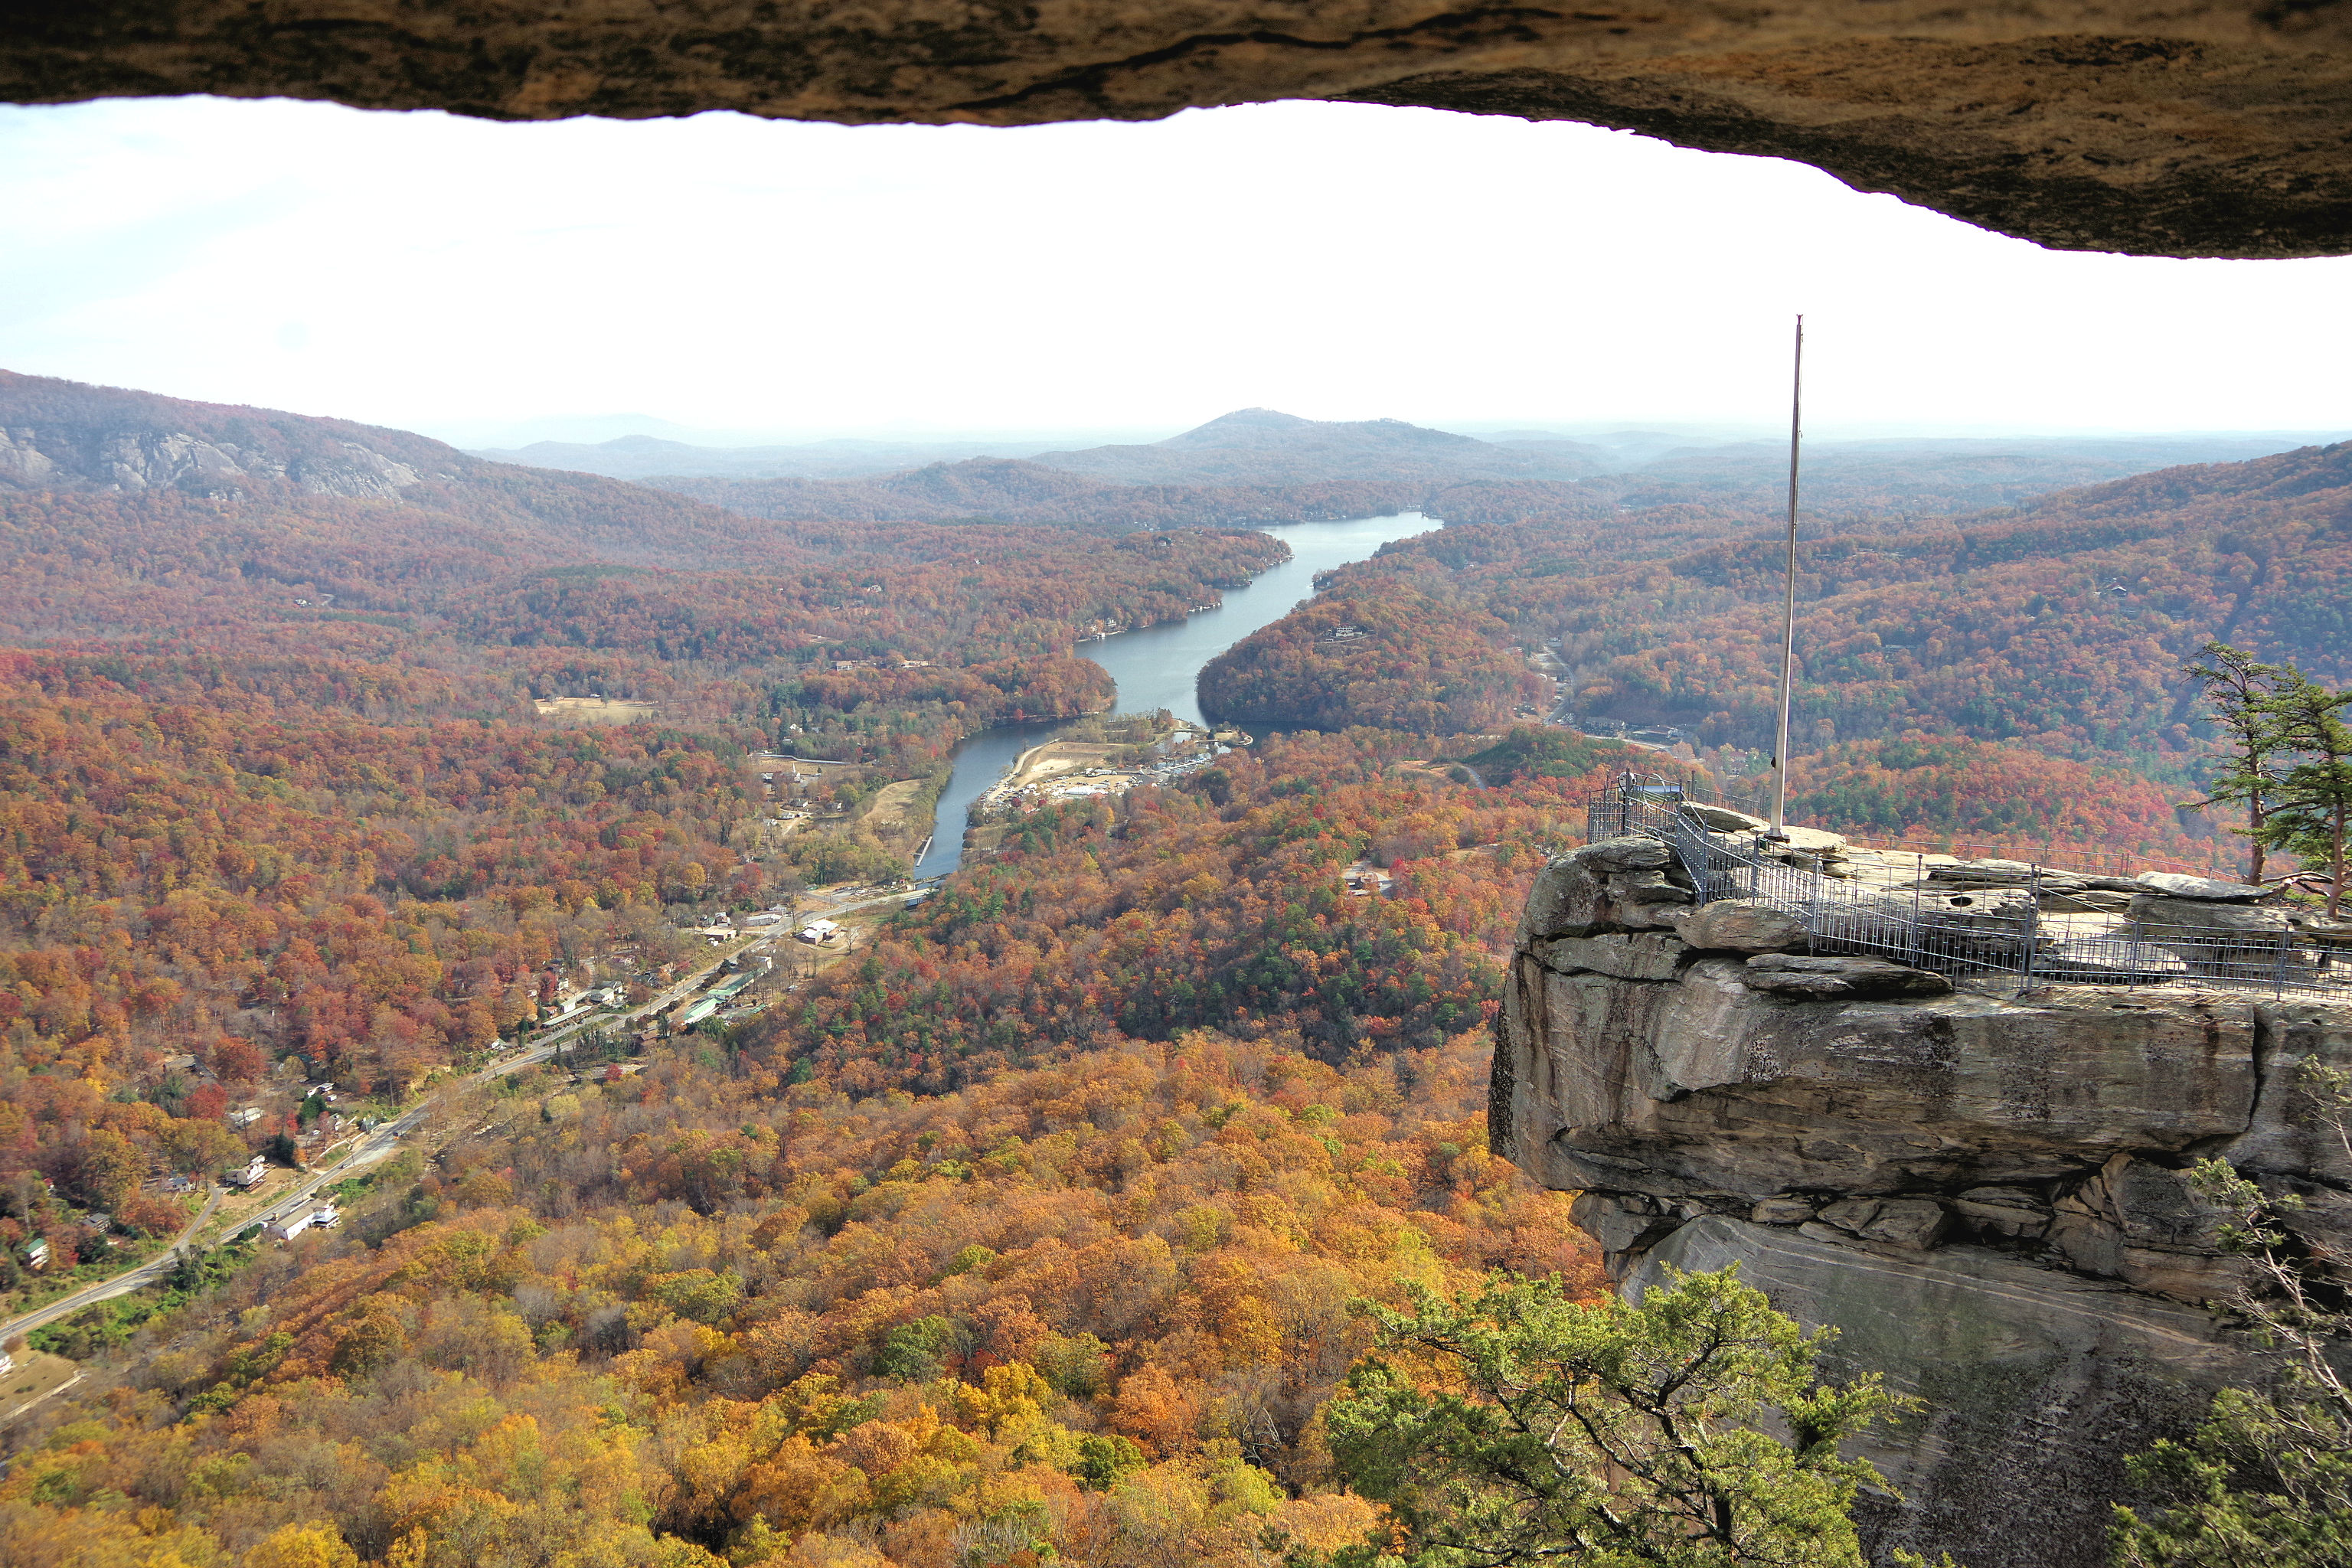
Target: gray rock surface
[
  {"x": 1704, "y": 1085},
  {"x": 1644, "y": 956},
  {"x": 1986, "y": 1192},
  {"x": 1822, "y": 979},
  {"x": 2173, "y": 884},
  {"x": 2202, "y": 128},
  {"x": 1728, "y": 927},
  {"x": 2038, "y": 1380},
  {"x": 1723, "y": 819},
  {"x": 1616, "y": 885}
]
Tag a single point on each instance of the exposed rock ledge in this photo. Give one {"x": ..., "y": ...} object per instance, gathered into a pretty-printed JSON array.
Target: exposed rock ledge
[
  {"x": 2190, "y": 129},
  {"x": 1985, "y": 1193}
]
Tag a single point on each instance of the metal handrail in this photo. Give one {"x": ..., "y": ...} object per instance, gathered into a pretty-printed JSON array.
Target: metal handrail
[{"x": 1972, "y": 931}]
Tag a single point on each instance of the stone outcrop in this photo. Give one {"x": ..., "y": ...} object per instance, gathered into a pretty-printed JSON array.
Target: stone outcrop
[
  {"x": 1986, "y": 1193},
  {"x": 2208, "y": 128},
  {"x": 63, "y": 436},
  {"x": 142, "y": 460}
]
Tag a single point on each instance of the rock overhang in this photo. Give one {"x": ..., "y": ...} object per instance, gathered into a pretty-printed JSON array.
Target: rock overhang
[{"x": 2197, "y": 129}]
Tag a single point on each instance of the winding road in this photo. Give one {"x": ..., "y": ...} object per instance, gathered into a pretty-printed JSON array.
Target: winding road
[{"x": 374, "y": 1146}]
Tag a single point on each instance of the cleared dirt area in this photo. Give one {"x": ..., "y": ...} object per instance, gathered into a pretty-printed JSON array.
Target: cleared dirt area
[
  {"x": 594, "y": 710},
  {"x": 37, "y": 1375},
  {"x": 1055, "y": 757},
  {"x": 891, "y": 816}
]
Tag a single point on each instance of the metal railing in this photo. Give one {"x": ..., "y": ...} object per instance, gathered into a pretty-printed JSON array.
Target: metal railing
[{"x": 1981, "y": 923}]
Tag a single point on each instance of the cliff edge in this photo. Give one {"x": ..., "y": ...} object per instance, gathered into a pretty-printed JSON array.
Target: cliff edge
[{"x": 1980, "y": 1181}]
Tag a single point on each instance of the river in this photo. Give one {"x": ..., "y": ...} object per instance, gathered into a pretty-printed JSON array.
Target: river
[{"x": 1159, "y": 666}]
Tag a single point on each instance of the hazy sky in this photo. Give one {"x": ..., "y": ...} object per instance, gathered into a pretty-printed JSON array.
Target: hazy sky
[{"x": 1338, "y": 261}]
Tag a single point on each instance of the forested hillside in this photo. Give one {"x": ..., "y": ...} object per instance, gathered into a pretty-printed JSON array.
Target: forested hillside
[
  {"x": 1394, "y": 658},
  {"x": 989, "y": 489},
  {"x": 2060, "y": 627},
  {"x": 1028, "y": 1230},
  {"x": 277, "y": 790},
  {"x": 1082, "y": 1313}
]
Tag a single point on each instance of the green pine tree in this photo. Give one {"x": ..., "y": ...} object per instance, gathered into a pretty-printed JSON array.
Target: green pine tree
[
  {"x": 2312, "y": 805},
  {"x": 1519, "y": 1427},
  {"x": 2237, "y": 691},
  {"x": 2266, "y": 1482}
]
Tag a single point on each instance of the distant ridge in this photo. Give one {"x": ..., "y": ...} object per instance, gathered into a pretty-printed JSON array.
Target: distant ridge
[
  {"x": 1266, "y": 447},
  {"x": 1009, "y": 490},
  {"x": 643, "y": 456}
]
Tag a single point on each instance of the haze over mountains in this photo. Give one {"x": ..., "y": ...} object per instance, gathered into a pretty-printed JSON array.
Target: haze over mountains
[{"x": 1259, "y": 466}]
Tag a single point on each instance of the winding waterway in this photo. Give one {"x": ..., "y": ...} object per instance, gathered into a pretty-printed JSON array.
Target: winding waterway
[{"x": 1159, "y": 666}]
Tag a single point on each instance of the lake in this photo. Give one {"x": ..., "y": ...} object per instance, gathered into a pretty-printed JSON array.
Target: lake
[{"x": 1159, "y": 666}]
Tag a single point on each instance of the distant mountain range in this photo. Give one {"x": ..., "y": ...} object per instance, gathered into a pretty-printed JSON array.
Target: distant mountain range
[
  {"x": 1262, "y": 446},
  {"x": 1260, "y": 464},
  {"x": 645, "y": 457},
  {"x": 1009, "y": 490}
]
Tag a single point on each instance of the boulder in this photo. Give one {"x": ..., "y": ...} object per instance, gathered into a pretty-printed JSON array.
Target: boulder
[
  {"x": 1915, "y": 1222},
  {"x": 1726, "y": 926},
  {"x": 1806, "y": 841},
  {"x": 2173, "y": 885},
  {"x": 1616, "y": 885},
  {"x": 1823, "y": 979},
  {"x": 1986, "y": 873},
  {"x": 1619, "y": 1223},
  {"x": 2146, "y": 1225},
  {"x": 2016, "y": 1213},
  {"x": 2163, "y": 915},
  {"x": 1850, "y": 1214},
  {"x": 1782, "y": 1211},
  {"x": 1723, "y": 819},
  {"x": 1640, "y": 956},
  {"x": 2218, "y": 939}
]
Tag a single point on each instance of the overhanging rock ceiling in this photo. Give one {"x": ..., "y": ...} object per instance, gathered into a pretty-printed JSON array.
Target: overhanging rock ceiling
[{"x": 2183, "y": 130}]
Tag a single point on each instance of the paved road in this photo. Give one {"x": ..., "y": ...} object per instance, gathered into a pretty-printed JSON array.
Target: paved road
[
  {"x": 376, "y": 1145},
  {"x": 130, "y": 1280}
]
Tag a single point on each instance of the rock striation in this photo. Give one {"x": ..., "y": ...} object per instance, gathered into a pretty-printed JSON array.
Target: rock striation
[
  {"x": 2204, "y": 128},
  {"x": 1986, "y": 1193}
]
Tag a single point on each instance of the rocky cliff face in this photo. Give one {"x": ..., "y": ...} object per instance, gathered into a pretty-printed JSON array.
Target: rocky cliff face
[
  {"x": 1985, "y": 1193},
  {"x": 63, "y": 436},
  {"x": 31, "y": 459}
]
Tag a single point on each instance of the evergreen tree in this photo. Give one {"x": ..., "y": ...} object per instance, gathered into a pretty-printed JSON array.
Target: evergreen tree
[
  {"x": 2267, "y": 1480},
  {"x": 2312, "y": 805},
  {"x": 1520, "y": 1426},
  {"x": 2237, "y": 689}
]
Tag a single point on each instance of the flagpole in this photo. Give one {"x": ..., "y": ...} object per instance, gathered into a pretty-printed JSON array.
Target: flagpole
[{"x": 1788, "y": 601}]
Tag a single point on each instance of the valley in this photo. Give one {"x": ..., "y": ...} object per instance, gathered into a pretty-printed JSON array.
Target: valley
[{"x": 366, "y": 784}]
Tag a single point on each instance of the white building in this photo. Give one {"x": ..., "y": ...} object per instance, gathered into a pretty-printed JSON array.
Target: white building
[
  {"x": 820, "y": 932},
  {"x": 323, "y": 1217},
  {"x": 254, "y": 1169}
]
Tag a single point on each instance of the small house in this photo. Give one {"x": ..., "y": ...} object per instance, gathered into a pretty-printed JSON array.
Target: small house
[
  {"x": 245, "y": 1117},
  {"x": 323, "y": 1217},
  {"x": 250, "y": 1175},
  {"x": 37, "y": 1254}
]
